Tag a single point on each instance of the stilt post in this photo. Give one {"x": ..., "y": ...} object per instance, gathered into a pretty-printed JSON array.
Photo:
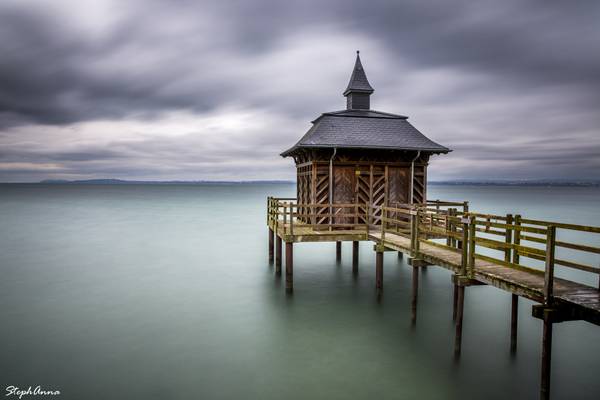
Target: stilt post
[
  {"x": 548, "y": 301},
  {"x": 546, "y": 359},
  {"x": 379, "y": 271},
  {"x": 278, "y": 250},
  {"x": 338, "y": 251},
  {"x": 289, "y": 267},
  {"x": 514, "y": 318},
  {"x": 355, "y": 248},
  {"x": 459, "y": 321},
  {"x": 271, "y": 246},
  {"x": 454, "y": 301},
  {"x": 415, "y": 295}
]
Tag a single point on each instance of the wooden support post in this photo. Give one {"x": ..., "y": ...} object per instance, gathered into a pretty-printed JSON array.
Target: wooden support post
[
  {"x": 284, "y": 218},
  {"x": 464, "y": 260},
  {"x": 355, "y": 256},
  {"x": 278, "y": 249},
  {"x": 472, "y": 233},
  {"x": 549, "y": 267},
  {"x": 289, "y": 267},
  {"x": 514, "y": 318},
  {"x": 449, "y": 223},
  {"x": 508, "y": 237},
  {"x": 417, "y": 241},
  {"x": 292, "y": 218},
  {"x": 379, "y": 271},
  {"x": 546, "y": 359},
  {"x": 454, "y": 301},
  {"x": 415, "y": 295},
  {"x": 271, "y": 246},
  {"x": 516, "y": 239},
  {"x": 400, "y": 255},
  {"x": 338, "y": 251},
  {"x": 459, "y": 321}
]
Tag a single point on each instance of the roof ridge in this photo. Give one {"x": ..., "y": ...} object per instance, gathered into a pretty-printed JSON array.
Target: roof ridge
[{"x": 356, "y": 113}]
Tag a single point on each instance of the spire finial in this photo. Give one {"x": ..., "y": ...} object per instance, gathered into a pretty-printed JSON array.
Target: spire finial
[{"x": 358, "y": 91}]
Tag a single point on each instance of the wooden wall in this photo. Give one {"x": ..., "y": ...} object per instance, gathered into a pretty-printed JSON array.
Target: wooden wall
[{"x": 359, "y": 182}]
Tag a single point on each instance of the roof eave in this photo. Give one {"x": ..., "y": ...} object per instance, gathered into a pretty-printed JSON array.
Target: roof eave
[
  {"x": 350, "y": 90},
  {"x": 288, "y": 152}
]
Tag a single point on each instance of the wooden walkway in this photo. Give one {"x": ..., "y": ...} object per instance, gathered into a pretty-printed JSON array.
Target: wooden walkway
[
  {"x": 448, "y": 235},
  {"x": 525, "y": 282}
]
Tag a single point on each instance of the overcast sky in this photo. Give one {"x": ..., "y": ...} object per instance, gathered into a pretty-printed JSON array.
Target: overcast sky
[{"x": 192, "y": 90}]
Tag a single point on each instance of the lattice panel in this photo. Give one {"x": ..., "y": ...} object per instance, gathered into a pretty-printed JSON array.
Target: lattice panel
[
  {"x": 363, "y": 185},
  {"x": 419, "y": 184},
  {"x": 304, "y": 190},
  {"x": 321, "y": 194},
  {"x": 377, "y": 194}
]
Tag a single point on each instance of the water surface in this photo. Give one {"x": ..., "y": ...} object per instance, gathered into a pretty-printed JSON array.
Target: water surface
[{"x": 155, "y": 292}]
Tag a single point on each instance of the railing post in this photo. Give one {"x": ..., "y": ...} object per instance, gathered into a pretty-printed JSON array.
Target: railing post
[
  {"x": 383, "y": 222},
  {"x": 417, "y": 220},
  {"x": 292, "y": 218},
  {"x": 549, "y": 268},
  {"x": 472, "y": 233},
  {"x": 465, "y": 207},
  {"x": 508, "y": 237},
  {"x": 368, "y": 218},
  {"x": 268, "y": 210},
  {"x": 413, "y": 220},
  {"x": 449, "y": 228},
  {"x": 275, "y": 207},
  {"x": 516, "y": 239},
  {"x": 284, "y": 217},
  {"x": 465, "y": 240}
]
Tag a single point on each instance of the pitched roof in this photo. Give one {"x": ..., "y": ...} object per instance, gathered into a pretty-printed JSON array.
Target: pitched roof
[
  {"x": 368, "y": 129},
  {"x": 358, "y": 79}
]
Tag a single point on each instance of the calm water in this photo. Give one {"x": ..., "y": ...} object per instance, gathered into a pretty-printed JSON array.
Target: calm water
[{"x": 165, "y": 292}]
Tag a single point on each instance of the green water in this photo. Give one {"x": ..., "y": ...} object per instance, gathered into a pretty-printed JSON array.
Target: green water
[{"x": 165, "y": 292}]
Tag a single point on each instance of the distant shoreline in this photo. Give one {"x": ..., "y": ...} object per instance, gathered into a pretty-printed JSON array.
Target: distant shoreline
[{"x": 530, "y": 183}]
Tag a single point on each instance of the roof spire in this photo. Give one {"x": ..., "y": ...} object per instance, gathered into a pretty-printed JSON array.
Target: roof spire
[{"x": 358, "y": 91}]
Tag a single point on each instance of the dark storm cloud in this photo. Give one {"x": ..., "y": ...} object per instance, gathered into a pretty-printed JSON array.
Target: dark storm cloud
[{"x": 465, "y": 70}]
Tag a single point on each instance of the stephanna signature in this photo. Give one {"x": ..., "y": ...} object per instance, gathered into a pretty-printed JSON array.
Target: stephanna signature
[{"x": 30, "y": 391}]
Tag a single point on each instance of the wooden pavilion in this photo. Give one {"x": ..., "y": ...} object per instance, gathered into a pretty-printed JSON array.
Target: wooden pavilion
[{"x": 361, "y": 156}]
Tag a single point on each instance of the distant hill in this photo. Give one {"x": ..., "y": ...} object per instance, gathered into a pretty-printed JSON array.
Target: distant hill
[
  {"x": 539, "y": 183},
  {"x": 128, "y": 182}
]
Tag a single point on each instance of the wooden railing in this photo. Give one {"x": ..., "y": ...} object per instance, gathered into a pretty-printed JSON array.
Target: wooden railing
[
  {"x": 515, "y": 241},
  {"x": 512, "y": 238},
  {"x": 287, "y": 213}
]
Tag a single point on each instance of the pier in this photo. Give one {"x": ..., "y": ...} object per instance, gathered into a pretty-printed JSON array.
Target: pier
[{"x": 510, "y": 252}]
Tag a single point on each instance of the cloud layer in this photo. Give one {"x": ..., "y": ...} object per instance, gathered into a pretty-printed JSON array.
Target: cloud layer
[{"x": 215, "y": 90}]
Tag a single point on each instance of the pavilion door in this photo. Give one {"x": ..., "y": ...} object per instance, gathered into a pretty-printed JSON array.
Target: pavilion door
[
  {"x": 398, "y": 196},
  {"x": 343, "y": 193},
  {"x": 398, "y": 186}
]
